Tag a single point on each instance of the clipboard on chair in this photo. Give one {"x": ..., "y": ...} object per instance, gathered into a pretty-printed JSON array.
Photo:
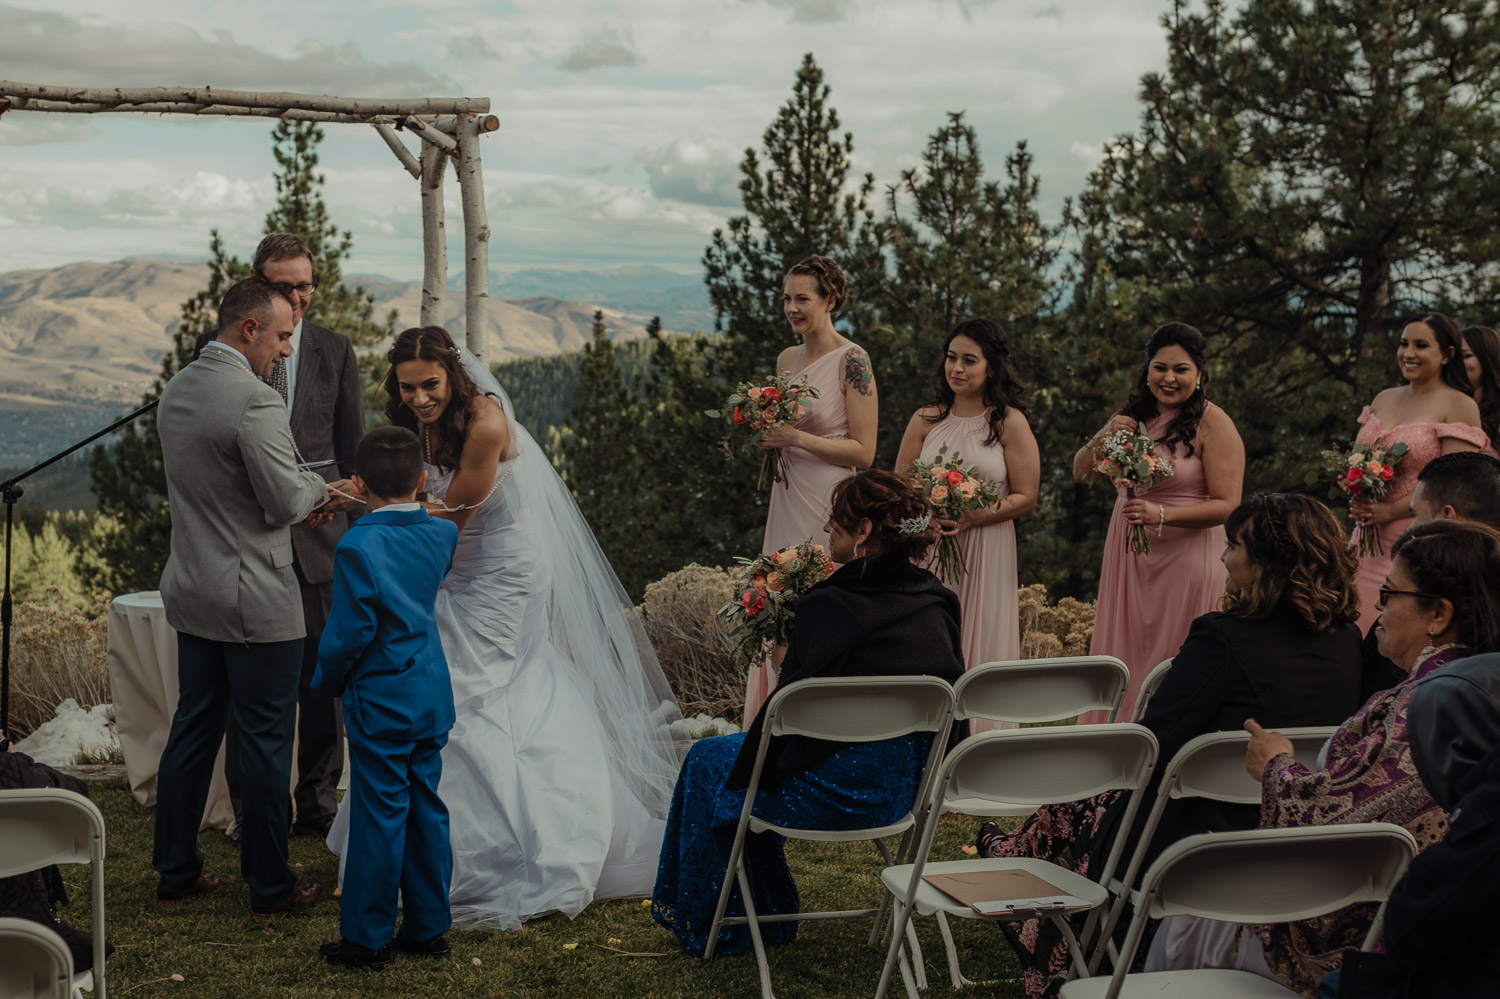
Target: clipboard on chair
[{"x": 997, "y": 893}]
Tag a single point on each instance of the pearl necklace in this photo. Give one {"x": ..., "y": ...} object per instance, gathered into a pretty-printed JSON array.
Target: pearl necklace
[{"x": 427, "y": 456}]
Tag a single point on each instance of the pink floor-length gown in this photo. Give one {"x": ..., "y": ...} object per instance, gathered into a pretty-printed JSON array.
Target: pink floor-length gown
[
  {"x": 800, "y": 501},
  {"x": 1147, "y": 603},
  {"x": 987, "y": 591},
  {"x": 1425, "y": 441}
]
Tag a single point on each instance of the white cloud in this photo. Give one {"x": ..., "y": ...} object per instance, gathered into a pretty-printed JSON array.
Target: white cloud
[
  {"x": 609, "y": 50},
  {"x": 44, "y": 47},
  {"x": 1092, "y": 153},
  {"x": 694, "y": 170},
  {"x": 24, "y": 129}
]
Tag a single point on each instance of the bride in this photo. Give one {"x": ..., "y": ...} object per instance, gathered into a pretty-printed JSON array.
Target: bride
[{"x": 559, "y": 769}]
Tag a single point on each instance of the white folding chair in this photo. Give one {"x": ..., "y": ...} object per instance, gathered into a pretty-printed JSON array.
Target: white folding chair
[
  {"x": 1259, "y": 876},
  {"x": 1210, "y": 766},
  {"x": 1149, "y": 687},
  {"x": 35, "y": 963},
  {"x": 1032, "y": 691},
  {"x": 1037, "y": 766},
  {"x": 48, "y": 826},
  {"x": 845, "y": 710},
  {"x": 1041, "y": 690}
]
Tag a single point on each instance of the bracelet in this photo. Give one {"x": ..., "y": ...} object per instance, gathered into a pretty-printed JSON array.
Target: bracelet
[{"x": 1161, "y": 518}]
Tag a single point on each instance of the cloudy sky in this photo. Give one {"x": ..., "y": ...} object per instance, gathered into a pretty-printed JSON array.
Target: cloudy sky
[{"x": 622, "y": 121}]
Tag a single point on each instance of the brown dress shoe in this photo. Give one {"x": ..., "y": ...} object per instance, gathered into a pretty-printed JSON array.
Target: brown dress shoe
[
  {"x": 206, "y": 884},
  {"x": 300, "y": 896}
]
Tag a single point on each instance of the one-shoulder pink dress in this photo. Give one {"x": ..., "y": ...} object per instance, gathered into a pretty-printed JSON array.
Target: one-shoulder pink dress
[
  {"x": 800, "y": 501},
  {"x": 987, "y": 591},
  {"x": 1147, "y": 603},
  {"x": 1425, "y": 441}
]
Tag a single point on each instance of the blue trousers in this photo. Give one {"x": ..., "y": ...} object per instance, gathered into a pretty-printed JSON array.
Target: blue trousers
[
  {"x": 258, "y": 685},
  {"x": 398, "y": 841}
]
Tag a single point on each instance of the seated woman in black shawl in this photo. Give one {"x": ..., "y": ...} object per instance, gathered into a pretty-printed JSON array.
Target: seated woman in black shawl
[{"x": 877, "y": 615}]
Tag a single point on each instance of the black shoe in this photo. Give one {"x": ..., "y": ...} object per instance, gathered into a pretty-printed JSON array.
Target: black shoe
[
  {"x": 436, "y": 947},
  {"x": 352, "y": 955}
]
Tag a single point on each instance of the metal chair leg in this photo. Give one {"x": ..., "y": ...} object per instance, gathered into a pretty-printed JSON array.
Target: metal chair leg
[{"x": 760, "y": 947}]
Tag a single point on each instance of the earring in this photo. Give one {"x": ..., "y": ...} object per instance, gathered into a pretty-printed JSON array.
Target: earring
[{"x": 856, "y": 551}]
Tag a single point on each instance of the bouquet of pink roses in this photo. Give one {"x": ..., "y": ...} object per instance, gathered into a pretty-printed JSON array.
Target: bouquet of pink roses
[
  {"x": 1363, "y": 470},
  {"x": 760, "y": 407},
  {"x": 1131, "y": 459},
  {"x": 953, "y": 490},
  {"x": 768, "y": 587}
]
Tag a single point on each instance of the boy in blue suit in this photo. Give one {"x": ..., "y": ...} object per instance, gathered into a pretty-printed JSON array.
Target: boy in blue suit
[{"x": 380, "y": 650}]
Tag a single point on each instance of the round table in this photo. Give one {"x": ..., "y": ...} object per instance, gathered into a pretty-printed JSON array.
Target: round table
[{"x": 143, "y": 683}]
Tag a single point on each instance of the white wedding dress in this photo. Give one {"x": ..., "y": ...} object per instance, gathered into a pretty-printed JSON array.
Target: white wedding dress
[{"x": 559, "y": 769}]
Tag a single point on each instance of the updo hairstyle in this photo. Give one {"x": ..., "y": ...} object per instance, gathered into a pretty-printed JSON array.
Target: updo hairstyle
[
  {"x": 832, "y": 285},
  {"x": 885, "y": 499}
]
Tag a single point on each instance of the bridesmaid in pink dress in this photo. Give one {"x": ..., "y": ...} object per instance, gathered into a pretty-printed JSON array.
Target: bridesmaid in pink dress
[
  {"x": 1433, "y": 413},
  {"x": 1147, "y": 603},
  {"x": 1481, "y": 354},
  {"x": 832, "y": 440},
  {"x": 978, "y": 413}
]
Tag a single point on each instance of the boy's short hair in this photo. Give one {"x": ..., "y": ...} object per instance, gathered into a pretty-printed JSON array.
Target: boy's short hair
[
  {"x": 1468, "y": 481},
  {"x": 389, "y": 459}
]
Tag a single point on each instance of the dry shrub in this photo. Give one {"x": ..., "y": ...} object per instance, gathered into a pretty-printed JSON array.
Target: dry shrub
[
  {"x": 681, "y": 614},
  {"x": 1061, "y": 629},
  {"x": 58, "y": 652}
]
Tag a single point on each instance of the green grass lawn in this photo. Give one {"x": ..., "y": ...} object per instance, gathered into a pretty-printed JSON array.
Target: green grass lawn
[{"x": 219, "y": 950}]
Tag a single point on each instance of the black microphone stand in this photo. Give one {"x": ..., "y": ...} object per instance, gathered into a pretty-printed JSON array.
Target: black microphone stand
[{"x": 10, "y": 492}]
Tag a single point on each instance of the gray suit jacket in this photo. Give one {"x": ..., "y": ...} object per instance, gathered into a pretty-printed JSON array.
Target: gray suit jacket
[
  {"x": 328, "y": 419},
  {"x": 233, "y": 488}
]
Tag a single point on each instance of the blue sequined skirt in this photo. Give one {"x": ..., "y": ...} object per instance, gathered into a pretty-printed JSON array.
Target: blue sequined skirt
[{"x": 868, "y": 785}]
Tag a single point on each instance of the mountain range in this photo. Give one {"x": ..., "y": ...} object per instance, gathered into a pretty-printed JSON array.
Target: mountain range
[{"x": 80, "y": 342}]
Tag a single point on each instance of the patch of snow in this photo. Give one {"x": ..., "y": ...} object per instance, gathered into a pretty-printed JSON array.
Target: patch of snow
[{"x": 72, "y": 731}]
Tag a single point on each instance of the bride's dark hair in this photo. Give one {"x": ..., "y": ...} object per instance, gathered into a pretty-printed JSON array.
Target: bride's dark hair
[{"x": 432, "y": 343}]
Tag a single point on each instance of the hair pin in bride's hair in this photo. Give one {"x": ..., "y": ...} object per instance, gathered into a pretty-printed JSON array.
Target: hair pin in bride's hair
[
  {"x": 455, "y": 351},
  {"x": 915, "y": 525}
]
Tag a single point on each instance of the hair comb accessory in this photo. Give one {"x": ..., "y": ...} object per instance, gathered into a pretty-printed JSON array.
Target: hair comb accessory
[{"x": 915, "y": 525}]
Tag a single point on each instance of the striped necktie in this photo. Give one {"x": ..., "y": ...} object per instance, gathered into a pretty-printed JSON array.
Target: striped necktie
[{"x": 277, "y": 378}]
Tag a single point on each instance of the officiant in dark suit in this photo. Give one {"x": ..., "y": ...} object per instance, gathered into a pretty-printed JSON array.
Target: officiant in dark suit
[{"x": 320, "y": 385}]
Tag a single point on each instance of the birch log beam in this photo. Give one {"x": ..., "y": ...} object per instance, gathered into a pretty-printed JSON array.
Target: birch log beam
[
  {"x": 249, "y": 99},
  {"x": 434, "y": 235},
  {"x": 291, "y": 114},
  {"x": 402, "y": 153},
  {"x": 486, "y": 123},
  {"x": 427, "y": 133},
  {"x": 476, "y": 239}
]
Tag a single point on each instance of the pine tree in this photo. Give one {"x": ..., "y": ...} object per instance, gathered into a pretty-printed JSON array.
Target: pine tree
[
  {"x": 967, "y": 247},
  {"x": 1306, "y": 177},
  {"x": 796, "y": 204},
  {"x": 128, "y": 478}
]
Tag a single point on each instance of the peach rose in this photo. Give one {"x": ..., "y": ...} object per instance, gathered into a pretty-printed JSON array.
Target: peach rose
[
  {"x": 939, "y": 493},
  {"x": 753, "y": 393},
  {"x": 967, "y": 487},
  {"x": 773, "y": 582}
]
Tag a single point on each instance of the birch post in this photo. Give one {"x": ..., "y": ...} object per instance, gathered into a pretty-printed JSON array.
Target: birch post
[
  {"x": 434, "y": 235},
  {"x": 476, "y": 239},
  {"x": 402, "y": 153}
]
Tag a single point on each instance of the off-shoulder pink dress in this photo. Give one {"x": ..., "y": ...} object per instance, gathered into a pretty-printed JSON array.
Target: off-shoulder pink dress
[
  {"x": 1147, "y": 603},
  {"x": 987, "y": 591},
  {"x": 1425, "y": 441},
  {"x": 800, "y": 501}
]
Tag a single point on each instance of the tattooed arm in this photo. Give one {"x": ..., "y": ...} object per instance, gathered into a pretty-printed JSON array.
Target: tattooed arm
[{"x": 858, "y": 451}]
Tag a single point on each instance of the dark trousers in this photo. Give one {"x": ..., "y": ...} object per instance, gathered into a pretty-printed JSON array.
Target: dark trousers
[
  {"x": 398, "y": 840},
  {"x": 320, "y": 725},
  {"x": 257, "y": 686}
]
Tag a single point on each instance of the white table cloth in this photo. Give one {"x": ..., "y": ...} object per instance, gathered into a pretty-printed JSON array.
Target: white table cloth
[{"x": 143, "y": 683}]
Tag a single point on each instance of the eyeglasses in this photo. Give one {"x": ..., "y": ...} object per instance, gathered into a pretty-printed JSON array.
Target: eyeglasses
[
  {"x": 1386, "y": 593},
  {"x": 305, "y": 288}
]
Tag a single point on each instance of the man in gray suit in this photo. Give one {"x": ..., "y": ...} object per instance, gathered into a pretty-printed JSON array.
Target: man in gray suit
[
  {"x": 319, "y": 384},
  {"x": 230, "y": 592}
]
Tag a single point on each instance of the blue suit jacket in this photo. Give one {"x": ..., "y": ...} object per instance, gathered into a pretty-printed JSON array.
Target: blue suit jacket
[{"x": 380, "y": 648}]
